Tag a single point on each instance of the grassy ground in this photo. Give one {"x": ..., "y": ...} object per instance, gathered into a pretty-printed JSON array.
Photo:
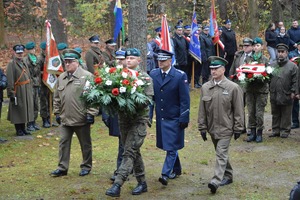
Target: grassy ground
[{"x": 261, "y": 171}]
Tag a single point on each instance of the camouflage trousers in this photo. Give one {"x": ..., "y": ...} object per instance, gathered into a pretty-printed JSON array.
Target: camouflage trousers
[
  {"x": 44, "y": 101},
  {"x": 256, "y": 103},
  {"x": 132, "y": 138},
  {"x": 36, "y": 91}
]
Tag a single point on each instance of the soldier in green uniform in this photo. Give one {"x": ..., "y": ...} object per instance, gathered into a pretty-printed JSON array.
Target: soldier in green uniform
[
  {"x": 133, "y": 132},
  {"x": 35, "y": 74},
  {"x": 257, "y": 96},
  {"x": 73, "y": 115},
  {"x": 109, "y": 53},
  {"x": 61, "y": 47},
  {"x": 19, "y": 92},
  {"x": 93, "y": 57}
]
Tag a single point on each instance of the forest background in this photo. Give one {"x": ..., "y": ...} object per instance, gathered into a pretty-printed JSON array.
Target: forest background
[{"x": 74, "y": 21}]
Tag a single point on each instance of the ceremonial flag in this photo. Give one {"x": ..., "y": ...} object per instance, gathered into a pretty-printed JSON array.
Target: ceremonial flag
[
  {"x": 118, "y": 21},
  {"x": 213, "y": 26},
  {"x": 53, "y": 64},
  {"x": 194, "y": 44},
  {"x": 165, "y": 37}
]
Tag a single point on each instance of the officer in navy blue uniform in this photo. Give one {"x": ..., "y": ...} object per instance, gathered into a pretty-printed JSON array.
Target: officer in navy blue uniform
[{"x": 172, "y": 106}]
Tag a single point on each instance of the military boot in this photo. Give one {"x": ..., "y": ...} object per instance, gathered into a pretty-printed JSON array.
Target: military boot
[
  {"x": 46, "y": 124},
  {"x": 35, "y": 126},
  {"x": 24, "y": 130},
  {"x": 19, "y": 131},
  {"x": 140, "y": 188},
  {"x": 252, "y": 136},
  {"x": 259, "y": 136},
  {"x": 30, "y": 126},
  {"x": 114, "y": 191}
]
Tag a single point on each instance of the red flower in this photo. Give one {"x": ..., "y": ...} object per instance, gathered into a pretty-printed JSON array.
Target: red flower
[
  {"x": 112, "y": 70},
  {"x": 115, "y": 91},
  {"x": 96, "y": 73},
  {"x": 264, "y": 74},
  {"x": 250, "y": 75},
  {"x": 254, "y": 68},
  {"x": 136, "y": 73},
  {"x": 98, "y": 80},
  {"x": 231, "y": 76},
  {"x": 125, "y": 82},
  {"x": 125, "y": 70}
]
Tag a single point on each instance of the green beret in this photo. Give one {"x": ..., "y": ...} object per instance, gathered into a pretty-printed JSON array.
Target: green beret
[
  {"x": 71, "y": 54},
  {"x": 62, "y": 46},
  {"x": 216, "y": 62},
  {"x": 133, "y": 52},
  {"x": 282, "y": 46},
  {"x": 43, "y": 45},
  {"x": 29, "y": 45},
  {"x": 257, "y": 40}
]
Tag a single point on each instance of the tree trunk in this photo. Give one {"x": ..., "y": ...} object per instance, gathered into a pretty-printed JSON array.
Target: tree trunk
[
  {"x": 2, "y": 30},
  {"x": 56, "y": 12},
  {"x": 137, "y": 28},
  {"x": 111, "y": 18},
  {"x": 254, "y": 18},
  {"x": 277, "y": 11},
  {"x": 295, "y": 9},
  {"x": 222, "y": 9}
]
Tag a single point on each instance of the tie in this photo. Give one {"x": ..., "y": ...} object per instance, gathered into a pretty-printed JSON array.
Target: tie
[{"x": 164, "y": 75}]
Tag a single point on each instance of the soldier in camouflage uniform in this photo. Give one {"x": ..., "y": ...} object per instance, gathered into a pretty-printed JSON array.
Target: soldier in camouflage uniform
[
  {"x": 257, "y": 96},
  {"x": 44, "y": 91},
  {"x": 35, "y": 75},
  {"x": 133, "y": 133}
]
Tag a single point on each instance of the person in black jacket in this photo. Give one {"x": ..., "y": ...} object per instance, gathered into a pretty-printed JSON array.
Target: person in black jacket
[
  {"x": 229, "y": 40},
  {"x": 3, "y": 85},
  {"x": 283, "y": 37},
  {"x": 270, "y": 37}
]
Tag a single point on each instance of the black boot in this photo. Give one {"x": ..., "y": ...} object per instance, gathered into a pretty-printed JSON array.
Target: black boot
[
  {"x": 35, "y": 126},
  {"x": 259, "y": 136},
  {"x": 30, "y": 126},
  {"x": 140, "y": 188},
  {"x": 114, "y": 191},
  {"x": 24, "y": 130},
  {"x": 252, "y": 136},
  {"x": 46, "y": 124},
  {"x": 19, "y": 131}
]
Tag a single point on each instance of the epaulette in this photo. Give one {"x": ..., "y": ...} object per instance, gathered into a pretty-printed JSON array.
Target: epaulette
[{"x": 182, "y": 72}]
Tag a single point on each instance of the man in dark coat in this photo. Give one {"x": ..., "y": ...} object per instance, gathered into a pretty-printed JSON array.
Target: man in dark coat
[
  {"x": 93, "y": 57},
  {"x": 283, "y": 88},
  {"x": 3, "y": 85},
  {"x": 229, "y": 41},
  {"x": 172, "y": 106},
  {"x": 19, "y": 91},
  {"x": 294, "y": 33}
]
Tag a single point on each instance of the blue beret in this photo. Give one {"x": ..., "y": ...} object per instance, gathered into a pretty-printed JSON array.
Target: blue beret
[
  {"x": 29, "y": 45},
  {"x": 120, "y": 54},
  {"x": 257, "y": 40},
  {"x": 43, "y": 45},
  {"x": 227, "y": 21},
  {"x": 158, "y": 29},
  {"x": 164, "y": 55},
  {"x": 187, "y": 27},
  {"x": 94, "y": 39},
  {"x": 78, "y": 49},
  {"x": 62, "y": 46},
  {"x": 19, "y": 48},
  {"x": 71, "y": 54},
  {"x": 133, "y": 52}
]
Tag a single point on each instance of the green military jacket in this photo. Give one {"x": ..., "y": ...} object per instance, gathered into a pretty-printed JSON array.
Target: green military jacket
[{"x": 93, "y": 57}]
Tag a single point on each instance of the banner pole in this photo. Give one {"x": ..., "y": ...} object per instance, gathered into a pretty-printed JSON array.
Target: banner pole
[
  {"x": 193, "y": 75},
  {"x": 50, "y": 107}
]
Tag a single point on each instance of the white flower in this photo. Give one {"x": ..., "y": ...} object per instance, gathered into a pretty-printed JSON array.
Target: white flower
[
  {"x": 108, "y": 82},
  {"x": 269, "y": 69},
  {"x": 87, "y": 85},
  {"x": 107, "y": 69},
  {"x": 140, "y": 82},
  {"x": 241, "y": 76},
  {"x": 257, "y": 75},
  {"x": 133, "y": 90},
  {"x": 124, "y": 74},
  {"x": 122, "y": 89},
  {"x": 119, "y": 66}
]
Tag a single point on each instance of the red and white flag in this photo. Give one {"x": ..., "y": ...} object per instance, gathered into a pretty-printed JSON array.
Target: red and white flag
[{"x": 165, "y": 36}]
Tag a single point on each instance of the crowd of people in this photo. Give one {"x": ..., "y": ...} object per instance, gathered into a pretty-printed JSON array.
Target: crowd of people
[{"x": 222, "y": 100}]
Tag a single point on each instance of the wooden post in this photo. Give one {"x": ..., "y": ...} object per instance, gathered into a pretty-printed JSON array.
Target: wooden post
[
  {"x": 193, "y": 75},
  {"x": 50, "y": 107}
]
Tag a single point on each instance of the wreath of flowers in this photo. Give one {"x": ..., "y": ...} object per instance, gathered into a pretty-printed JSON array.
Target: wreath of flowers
[
  {"x": 117, "y": 89},
  {"x": 253, "y": 72}
]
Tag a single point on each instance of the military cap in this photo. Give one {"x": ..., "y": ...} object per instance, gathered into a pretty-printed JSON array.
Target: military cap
[
  {"x": 206, "y": 28},
  {"x": 180, "y": 21},
  {"x": 178, "y": 27},
  {"x": 29, "y": 45},
  {"x": 164, "y": 55},
  {"x": 110, "y": 42},
  {"x": 158, "y": 29},
  {"x": 120, "y": 54},
  {"x": 199, "y": 25},
  {"x": 187, "y": 27},
  {"x": 216, "y": 62},
  {"x": 62, "y": 46},
  {"x": 71, "y": 54},
  {"x": 227, "y": 21},
  {"x": 247, "y": 41},
  {"x": 19, "y": 48},
  {"x": 257, "y": 40},
  {"x": 94, "y": 39},
  {"x": 220, "y": 28},
  {"x": 133, "y": 52},
  {"x": 43, "y": 45},
  {"x": 78, "y": 49},
  {"x": 282, "y": 46}
]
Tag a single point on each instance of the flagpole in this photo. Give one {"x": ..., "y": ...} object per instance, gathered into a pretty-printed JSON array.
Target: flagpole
[
  {"x": 193, "y": 62},
  {"x": 50, "y": 107}
]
